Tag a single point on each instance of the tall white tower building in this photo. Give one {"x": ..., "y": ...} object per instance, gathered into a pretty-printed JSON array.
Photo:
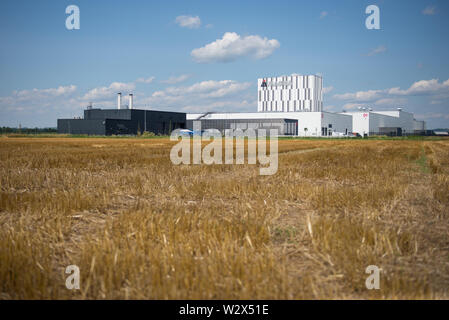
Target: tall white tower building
[{"x": 293, "y": 93}]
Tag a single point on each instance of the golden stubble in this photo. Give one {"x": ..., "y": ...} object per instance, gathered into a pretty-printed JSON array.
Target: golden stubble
[{"x": 140, "y": 227}]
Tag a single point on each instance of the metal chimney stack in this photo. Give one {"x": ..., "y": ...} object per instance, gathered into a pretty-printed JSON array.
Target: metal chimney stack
[
  {"x": 130, "y": 100},
  {"x": 119, "y": 100}
]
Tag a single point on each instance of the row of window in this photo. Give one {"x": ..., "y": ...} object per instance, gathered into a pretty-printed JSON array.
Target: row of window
[
  {"x": 289, "y": 95},
  {"x": 288, "y": 106}
]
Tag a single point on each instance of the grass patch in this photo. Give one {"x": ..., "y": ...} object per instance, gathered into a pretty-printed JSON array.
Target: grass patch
[{"x": 422, "y": 162}]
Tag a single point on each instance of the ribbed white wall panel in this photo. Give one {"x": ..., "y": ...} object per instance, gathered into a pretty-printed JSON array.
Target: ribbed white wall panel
[{"x": 290, "y": 93}]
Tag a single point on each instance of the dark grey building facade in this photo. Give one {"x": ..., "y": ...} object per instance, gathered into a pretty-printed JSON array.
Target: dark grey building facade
[
  {"x": 389, "y": 131},
  {"x": 123, "y": 122},
  {"x": 285, "y": 127}
]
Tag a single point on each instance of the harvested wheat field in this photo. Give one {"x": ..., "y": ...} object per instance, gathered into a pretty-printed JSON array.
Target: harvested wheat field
[{"x": 140, "y": 227}]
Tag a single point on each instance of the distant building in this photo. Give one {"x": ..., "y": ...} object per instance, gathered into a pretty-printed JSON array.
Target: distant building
[
  {"x": 299, "y": 98},
  {"x": 308, "y": 124},
  {"x": 393, "y": 123},
  {"x": 123, "y": 121},
  {"x": 291, "y": 103}
]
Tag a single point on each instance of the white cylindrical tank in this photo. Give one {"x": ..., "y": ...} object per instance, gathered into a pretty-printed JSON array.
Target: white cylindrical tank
[
  {"x": 119, "y": 100},
  {"x": 130, "y": 100}
]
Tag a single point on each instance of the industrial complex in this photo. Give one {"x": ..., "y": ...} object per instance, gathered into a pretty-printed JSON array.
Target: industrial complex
[
  {"x": 299, "y": 99},
  {"x": 292, "y": 104}
]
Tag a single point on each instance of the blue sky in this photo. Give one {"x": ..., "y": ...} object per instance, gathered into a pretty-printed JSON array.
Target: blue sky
[{"x": 198, "y": 56}]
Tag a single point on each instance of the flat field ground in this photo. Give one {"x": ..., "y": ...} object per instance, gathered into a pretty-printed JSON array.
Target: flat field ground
[{"x": 140, "y": 227}]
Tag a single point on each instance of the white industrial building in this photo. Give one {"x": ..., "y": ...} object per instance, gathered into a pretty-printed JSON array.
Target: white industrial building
[
  {"x": 309, "y": 124},
  {"x": 397, "y": 122},
  {"x": 300, "y": 98}
]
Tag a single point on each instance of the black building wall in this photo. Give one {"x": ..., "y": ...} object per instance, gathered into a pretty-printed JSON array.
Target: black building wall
[
  {"x": 103, "y": 114},
  {"x": 123, "y": 122},
  {"x": 81, "y": 126},
  {"x": 120, "y": 127},
  {"x": 161, "y": 122}
]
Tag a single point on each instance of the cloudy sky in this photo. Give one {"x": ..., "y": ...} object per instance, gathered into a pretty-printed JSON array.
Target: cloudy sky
[{"x": 198, "y": 56}]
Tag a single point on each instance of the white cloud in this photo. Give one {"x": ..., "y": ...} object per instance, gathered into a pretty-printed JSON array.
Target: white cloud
[
  {"x": 390, "y": 102},
  {"x": 224, "y": 105},
  {"x": 37, "y": 107},
  {"x": 210, "y": 88},
  {"x": 330, "y": 107},
  {"x": 429, "y": 11},
  {"x": 349, "y": 106},
  {"x": 422, "y": 88},
  {"x": 61, "y": 90},
  {"x": 379, "y": 49},
  {"x": 434, "y": 95},
  {"x": 205, "y": 96},
  {"x": 178, "y": 79},
  {"x": 145, "y": 80},
  {"x": 232, "y": 46},
  {"x": 360, "y": 95},
  {"x": 328, "y": 89},
  {"x": 432, "y": 115},
  {"x": 188, "y": 22},
  {"x": 323, "y": 14},
  {"x": 36, "y": 101},
  {"x": 55, "y": 92},
  {"x": 107, "y": 92}
]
